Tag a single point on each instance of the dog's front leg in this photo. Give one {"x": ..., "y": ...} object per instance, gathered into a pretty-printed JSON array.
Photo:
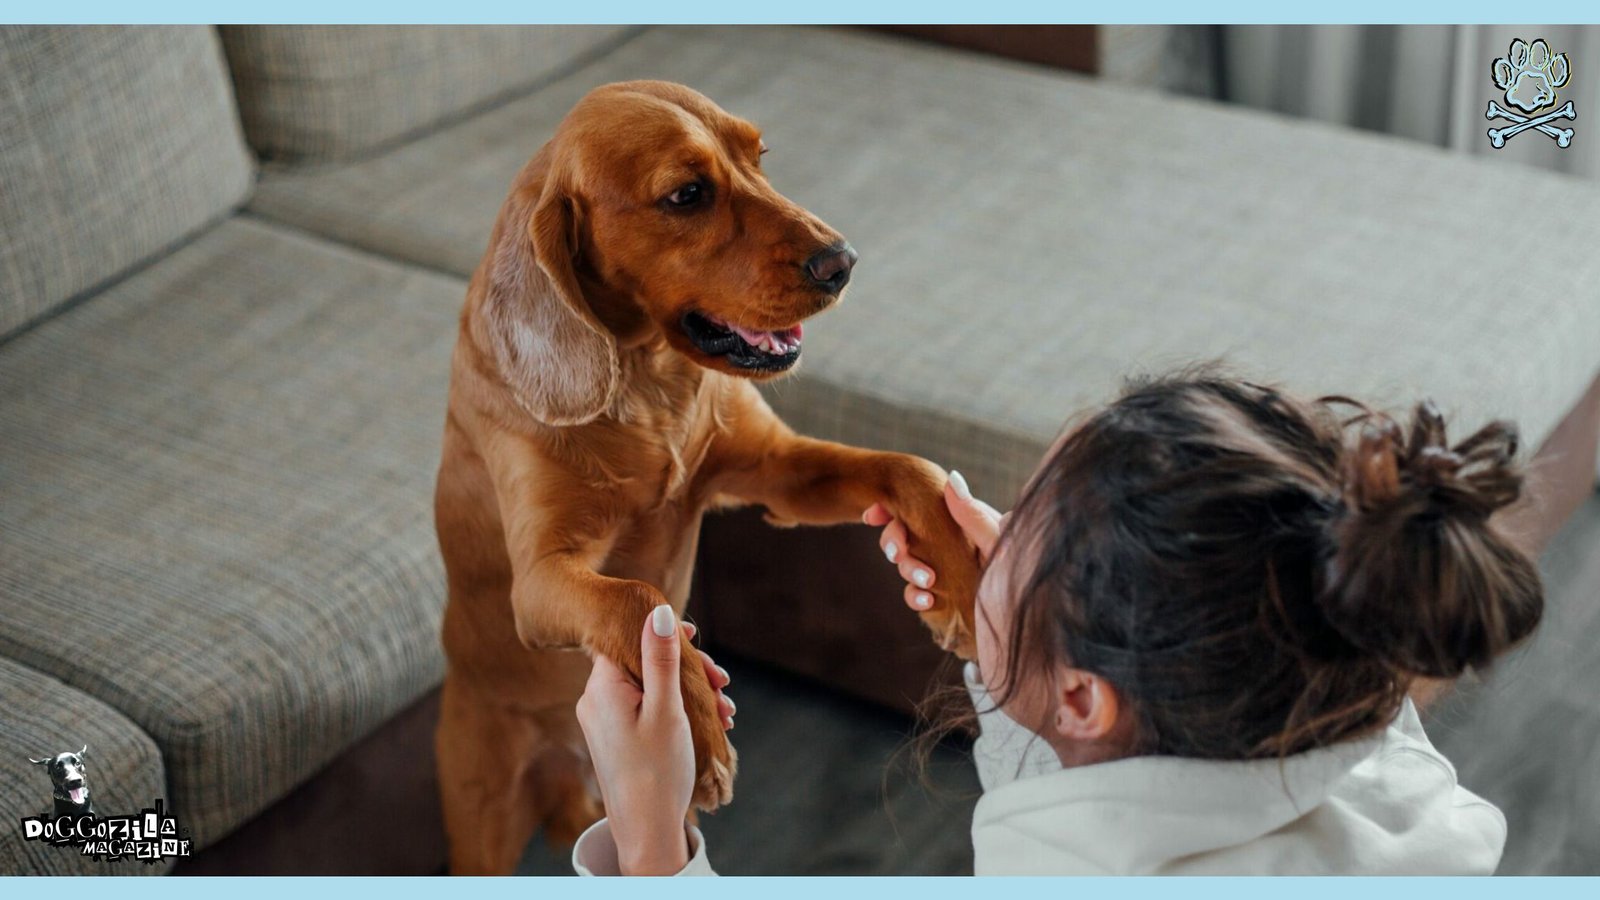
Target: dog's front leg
[
  {"x": 806, "y": 481},
  {"x": 559, "y": 600},
  {"x": 557, "y": 540}
]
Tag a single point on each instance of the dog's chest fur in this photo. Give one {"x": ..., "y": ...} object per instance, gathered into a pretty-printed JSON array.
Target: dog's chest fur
[
  {"x": 669, "y": 423},
  {"x": 668, "y": 418}
]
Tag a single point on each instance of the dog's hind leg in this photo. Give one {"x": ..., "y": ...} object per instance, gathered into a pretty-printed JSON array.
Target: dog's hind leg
[
  {"x": 487, "y": 781},
  {"x": 566, "y": 786}
]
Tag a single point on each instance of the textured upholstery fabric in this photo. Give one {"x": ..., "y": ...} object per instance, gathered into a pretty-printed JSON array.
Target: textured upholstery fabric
[
  {"x": 1027, "y": 239},
  {"x": 318, "y": 92},
  {"x": 40, "y": 716},
  {"x": 215, "y": 505},
  {"x": 114, "y": 144}
]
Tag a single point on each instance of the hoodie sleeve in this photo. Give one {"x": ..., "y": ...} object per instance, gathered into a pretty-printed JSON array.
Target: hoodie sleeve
[{"x": 595, "y": 853}]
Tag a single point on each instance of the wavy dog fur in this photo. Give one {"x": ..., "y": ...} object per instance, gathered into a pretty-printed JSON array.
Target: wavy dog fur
[{"x": 588, "y": 431}]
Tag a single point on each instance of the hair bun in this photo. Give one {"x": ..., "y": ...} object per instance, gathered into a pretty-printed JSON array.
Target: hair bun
[{"x": 1415, "y": 573}]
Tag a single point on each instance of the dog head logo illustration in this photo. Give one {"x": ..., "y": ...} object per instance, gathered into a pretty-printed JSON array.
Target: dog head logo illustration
[
  {"x": 69, "y": 781},
  {"x": 150, "y": 835},
  {"x": 1529, "y": 74}
]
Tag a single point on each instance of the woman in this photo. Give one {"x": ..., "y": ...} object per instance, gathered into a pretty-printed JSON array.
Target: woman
[{"x": 1197, "y": 631}]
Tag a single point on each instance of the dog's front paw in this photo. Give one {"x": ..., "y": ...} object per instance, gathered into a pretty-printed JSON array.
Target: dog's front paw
[
  {"x": 715, "y": 761},
  {"x": 936, "y": 539},
  {"x": 713, "y": 785},
  {"x": 951, "y": 618}
]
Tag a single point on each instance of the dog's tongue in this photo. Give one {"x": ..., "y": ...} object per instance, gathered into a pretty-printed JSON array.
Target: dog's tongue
[
  {"x": 772, "y": 341},
  {"x": 76, "y": 794}
]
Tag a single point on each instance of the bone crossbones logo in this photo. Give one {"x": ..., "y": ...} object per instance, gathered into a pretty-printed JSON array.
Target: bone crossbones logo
[{"x": 1529, "y": 74}]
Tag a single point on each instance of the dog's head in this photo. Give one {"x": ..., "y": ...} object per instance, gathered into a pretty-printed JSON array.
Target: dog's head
[
  {"x": 647, "y": 218},
  {"x": 69, "y": 777}
]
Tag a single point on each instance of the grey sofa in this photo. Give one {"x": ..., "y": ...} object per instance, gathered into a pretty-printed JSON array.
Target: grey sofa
[{"x": 231, "y": 263}]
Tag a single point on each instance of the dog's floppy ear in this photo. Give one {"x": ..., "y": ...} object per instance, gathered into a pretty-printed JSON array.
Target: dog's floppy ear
[
  {"x": 84, "y": 752},
  {"x": 558, "y": 359}
]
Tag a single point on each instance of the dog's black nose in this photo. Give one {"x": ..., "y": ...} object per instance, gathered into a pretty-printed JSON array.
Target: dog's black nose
[{"x": 830, "y": 268}]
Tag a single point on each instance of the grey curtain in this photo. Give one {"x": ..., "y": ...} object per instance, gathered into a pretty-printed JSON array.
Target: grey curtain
[{"x": 1427, "y": 82}]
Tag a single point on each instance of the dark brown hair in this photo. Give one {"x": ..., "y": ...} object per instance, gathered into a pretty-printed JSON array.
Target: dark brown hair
[{"x": 1258, "y": 575}]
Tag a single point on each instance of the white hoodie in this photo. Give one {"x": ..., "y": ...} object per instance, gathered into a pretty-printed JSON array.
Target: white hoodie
[{"x": 1388, "y": 804}]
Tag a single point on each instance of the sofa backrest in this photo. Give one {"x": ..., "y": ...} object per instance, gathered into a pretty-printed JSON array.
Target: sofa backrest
[
  {"x": 328, "y": 92},
  {"x": 115, "y": 143}
]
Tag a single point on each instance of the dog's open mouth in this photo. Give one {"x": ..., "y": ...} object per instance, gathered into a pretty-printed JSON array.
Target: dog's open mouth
[
  {"x": 78, "y": 793},
  {"x": 766, "y": 351}
]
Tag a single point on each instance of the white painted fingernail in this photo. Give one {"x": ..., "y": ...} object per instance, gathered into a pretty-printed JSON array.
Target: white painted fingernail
[
  {"x": 663, "y": 622},
  {"x": 924, "y": 601},
  {"x": 920, "y": 576},
  {"x": 727, "y": 679},
  {"x": 891, "y": 550},
  {"x": 733, "y": 708},
  {"x": 960, "y": 484}
]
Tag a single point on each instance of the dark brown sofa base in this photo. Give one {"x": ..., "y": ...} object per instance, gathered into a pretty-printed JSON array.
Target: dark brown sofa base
[
  {"x": 373, "y": 811},
  {"x": 823, "y": 603}
]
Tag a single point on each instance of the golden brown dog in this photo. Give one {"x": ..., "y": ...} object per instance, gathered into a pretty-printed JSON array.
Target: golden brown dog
[{"x": 640, "y": 276}]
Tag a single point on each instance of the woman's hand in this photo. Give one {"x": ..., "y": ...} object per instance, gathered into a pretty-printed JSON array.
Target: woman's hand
[
  {"x": 978, "y": 520},
  {"x": 639, "y": 741}
]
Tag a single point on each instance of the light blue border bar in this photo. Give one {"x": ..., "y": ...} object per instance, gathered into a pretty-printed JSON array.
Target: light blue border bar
[
  {"x": 806, "y": 11},
  {"x": 813, "y": 11},
  {"x": 1222, "y": 888}
]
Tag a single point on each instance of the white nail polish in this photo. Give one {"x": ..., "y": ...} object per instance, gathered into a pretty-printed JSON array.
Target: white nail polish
[
  {"x": 663, "y": 622},
  {"x": 924, "y": 601},
  {"x": 920, "y": 576},
  {"x": 960, "y": 484},
  {"x": 891, "y": 550}
]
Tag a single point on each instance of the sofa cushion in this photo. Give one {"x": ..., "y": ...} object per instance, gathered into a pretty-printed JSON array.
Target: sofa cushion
[
  {"x": 318, "y": 92},
  {"x": 44, "y": 717},
  {"x": 114, "y": 144},
  {"x": 215, "y": 496},
  {"x": 1029, "y": 238}
]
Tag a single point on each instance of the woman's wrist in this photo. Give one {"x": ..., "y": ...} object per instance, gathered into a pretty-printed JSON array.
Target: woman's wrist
[{"x": 654, "y": 850}]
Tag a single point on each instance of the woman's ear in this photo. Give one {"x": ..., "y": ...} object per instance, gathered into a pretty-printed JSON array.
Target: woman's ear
[
  {"x": 1088, "y": 707},
  {"x": 558, "y": 359}
]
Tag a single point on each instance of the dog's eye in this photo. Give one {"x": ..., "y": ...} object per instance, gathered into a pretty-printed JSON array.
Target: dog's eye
[{"x": 688, "y": 196}]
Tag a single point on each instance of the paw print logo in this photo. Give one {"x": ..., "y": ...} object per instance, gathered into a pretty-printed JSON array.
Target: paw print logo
[{"x": 1530, "y": 74}]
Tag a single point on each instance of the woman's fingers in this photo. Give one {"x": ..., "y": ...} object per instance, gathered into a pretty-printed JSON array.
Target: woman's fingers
[
  {"x": 719, "y": 678},
  {"x": 978, "y": 520},
  {"x": 876, "y": 516},
  {"x": 918, "y": 599},
  {"x": 717, "y": 675},
  {"x": 892, "y": 540},
  {"x": 659, "y": 652},
  {"x": 917, "y": 572}
]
